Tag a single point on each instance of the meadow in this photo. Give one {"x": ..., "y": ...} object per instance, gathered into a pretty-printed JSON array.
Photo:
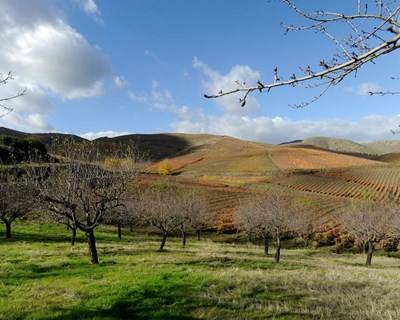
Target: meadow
[{"x": 220, "y": 277}]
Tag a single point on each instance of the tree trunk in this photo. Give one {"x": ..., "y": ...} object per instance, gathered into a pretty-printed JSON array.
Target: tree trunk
[
  {"x": 131, "y": 227},
  {"x": 369, "y": 253},
  {"x": 266, "y": 245},
  {"x": 198, "y": 235},
  {"x": 119, "y": 231},
  {"x": 164, "y": 239},
  {"x": 73, "y": 238},
  {"x": 250, "y": 239},
  {"x": 183, "y": 238},
  {"x": 278, "y": 249},
  {"x": 92, "y": 247},
  {"x": 8, "y": 230}
]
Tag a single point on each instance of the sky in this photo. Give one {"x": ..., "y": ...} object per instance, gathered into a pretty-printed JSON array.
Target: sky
[{"x": 105, "y": 68}]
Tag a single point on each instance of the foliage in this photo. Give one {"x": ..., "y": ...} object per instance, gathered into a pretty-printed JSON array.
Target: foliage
[{"x": 164, "y": 168}]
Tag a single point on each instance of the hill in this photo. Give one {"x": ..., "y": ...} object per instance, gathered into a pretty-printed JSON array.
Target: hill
[
  {"x": 237, "y": 162},
  {"x": 218, "y": 158},
  {"x": 384, "y": 146},
  {"x": 348, "y": 146},
  {"x": 335, "y": 144}
]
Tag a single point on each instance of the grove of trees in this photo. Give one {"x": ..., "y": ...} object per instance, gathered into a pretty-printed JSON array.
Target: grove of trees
[{"x": 86, "y": 189}]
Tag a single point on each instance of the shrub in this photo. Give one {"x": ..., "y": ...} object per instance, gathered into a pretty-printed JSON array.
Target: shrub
[{"x": 164, "y": 168}]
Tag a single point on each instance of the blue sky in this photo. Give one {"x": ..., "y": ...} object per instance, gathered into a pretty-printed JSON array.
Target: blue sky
[{"x": 103, "y": 67}]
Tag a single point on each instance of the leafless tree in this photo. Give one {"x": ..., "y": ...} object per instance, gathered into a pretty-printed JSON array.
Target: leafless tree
[
  {"x": 83, "y": 192},
  {"x": 253, "y": 218},
  {"x": 305, "y": 223},
  {"x": 161, "y": 207},
  {"x": 118, "y": 217},
  {"x": 16, "y": 200},
  {"x": 270, "y": 215},
  {"x": 195, "y": 213},
  {"x": 373, "y": 30},
  {"x": 4, "y": 107},
  {"x": 367, "y": 223}
]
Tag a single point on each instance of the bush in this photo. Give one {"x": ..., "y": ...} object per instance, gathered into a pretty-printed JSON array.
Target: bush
[{"x": 164, "y": 168}]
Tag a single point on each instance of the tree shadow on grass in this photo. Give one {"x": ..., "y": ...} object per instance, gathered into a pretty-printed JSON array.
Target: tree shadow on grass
[
  {"x": 35, "y": 237},
  {"x": 168, "y": 296}
]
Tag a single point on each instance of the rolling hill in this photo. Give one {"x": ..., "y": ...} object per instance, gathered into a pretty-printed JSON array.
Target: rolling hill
[
  {"x": 375, "y": 148},
  {"x": 231, "y": 170},
  {"x": 334, "y": 144}
]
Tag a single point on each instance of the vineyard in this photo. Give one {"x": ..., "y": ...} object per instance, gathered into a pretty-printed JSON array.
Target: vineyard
[
  {"x": 224, "y": 200},
  {"x": 375, "y": 183}
]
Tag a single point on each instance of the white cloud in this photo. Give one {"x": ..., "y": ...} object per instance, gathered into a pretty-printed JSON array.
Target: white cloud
[
  {"x": 137, "y": 97},
  {"x": 213, "y": 82},
  {"x": 366, "y": 87},
  {"x": 91, "y": 8},
  {"x": 100, "y": 134},
  {"x": 279, "y": 129},
  {"x": 157, "y": 98},
  {"x": 120, "y": 82},
  {"x": 48, "y": 57},
  {"x": 32, "y": 122}
]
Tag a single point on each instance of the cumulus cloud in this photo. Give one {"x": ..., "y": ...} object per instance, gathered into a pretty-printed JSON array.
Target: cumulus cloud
[
  {"x": 213, "y": 82},
  {"x": 157, "y": 98},
  {"x": 46, "y": 56},
  {"x": 101, "y": 134},
  {"x": 280, "y": 129},
  {"x": 91, "y": 8}
]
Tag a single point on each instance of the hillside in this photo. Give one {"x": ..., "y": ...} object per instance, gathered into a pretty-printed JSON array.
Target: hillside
[
  {"x": 348, "y": 146},
  {"x": 334, "y": 144},
  {"x": 214, "y": 158},
  {"x": 236, "y": 162},
  {"x": 384, "y": 146}
]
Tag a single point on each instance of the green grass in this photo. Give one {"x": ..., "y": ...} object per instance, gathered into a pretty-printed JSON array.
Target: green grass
[{"x": 43, "y": 277}]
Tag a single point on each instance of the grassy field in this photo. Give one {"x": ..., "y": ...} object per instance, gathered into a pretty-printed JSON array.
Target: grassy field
[{"x": 43, "y": 277}]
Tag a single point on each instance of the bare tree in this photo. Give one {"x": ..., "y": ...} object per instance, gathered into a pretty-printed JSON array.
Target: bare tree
[
  {"x": 83, "y": 192},
  {"x": 373, "y": 30},
  {"x": 195, "y": 213},
  {"x": 118, "y": 217},
  {"x": 4, "y": 107},
  {"x": 305, "y": 223},
  {"x": 252, "y": 218},
  {"x": 270, "y": 215},
  {"x": 162, "y": 208},
  {"x": 16, "y": 200},
  {"x": 367, "y": 223}
]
